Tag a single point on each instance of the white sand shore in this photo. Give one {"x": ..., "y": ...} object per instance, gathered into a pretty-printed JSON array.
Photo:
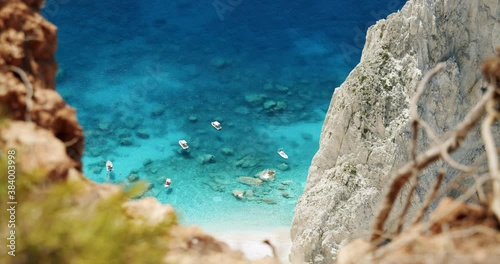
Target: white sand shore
[{"x": 250, "y": 243}]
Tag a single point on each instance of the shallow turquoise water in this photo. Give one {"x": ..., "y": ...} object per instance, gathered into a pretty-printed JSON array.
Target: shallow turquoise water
[{"x": 143, "y": 76}]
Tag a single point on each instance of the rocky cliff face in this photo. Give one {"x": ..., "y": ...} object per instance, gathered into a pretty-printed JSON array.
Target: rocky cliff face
[
  {"x": 365, "y": 135},
  {"x": 27, "y": 81}
]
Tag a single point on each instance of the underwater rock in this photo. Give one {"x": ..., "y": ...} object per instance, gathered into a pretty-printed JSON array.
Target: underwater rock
[
  {"x": 269, "y": 104},
  {"x": 255, "y": 99},
  {"x": 247, "y": 162},
  {"x": 128, "y": 141},
  {"x": 193, "y": 118},
  {"x": 131, "y": 123},
  {"x": 158, "y": 111},
  {"x": 281, "y": 187},
  {"x": 283, "y": 166},
  {"x": 298, "y": 106},
  {"x": 267, "y": 175},
  {"x": 267, "y": 200},
  {"x": 239, "y": 194},
  {"x": 96, "y": 169},
  {"x": 132, "y": 177},
  {"x": 268, "y": 86},
  {"x": 123, "y": 133},
  {"x": 227, "y": 151},
  {"x": 306, "y": 136},
  {"x": 242, "y": 110},
  {"x": 282, "y": 88},
  {"x": 153, "y": 170},
  {"x": 215, "y": 186},
  {"x": 142, "y": 133},
  {"x": 249, "y": 193},
  {"x": 104, "y": 126},
  {"x": 219, "y": 62},
  {"x": 220, "y": 180},
  {"x": 206, "y": 159},
  {"x": 288, "y": 182},
  {"x": 285, "y": 194},
  {"x": 272, "y": 107},
  {"x": 249, "y": 180},
  {"x": 185, "y": 153},
  {"x": 147, "y": 162}
]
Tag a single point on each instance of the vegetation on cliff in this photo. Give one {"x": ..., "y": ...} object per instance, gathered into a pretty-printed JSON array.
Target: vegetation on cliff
[{"x": 66, "y": 222}]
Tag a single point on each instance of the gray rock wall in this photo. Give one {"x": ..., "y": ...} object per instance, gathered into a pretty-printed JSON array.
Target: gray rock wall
[{"x": 365, "y": 134}]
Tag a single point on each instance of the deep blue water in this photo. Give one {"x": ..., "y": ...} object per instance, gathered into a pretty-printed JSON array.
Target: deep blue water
[{"x": 145, "y": 74}]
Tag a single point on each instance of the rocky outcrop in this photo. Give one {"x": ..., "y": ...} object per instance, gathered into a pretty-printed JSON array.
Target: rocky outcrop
[
  {"x": 365, "y": 135},
  {"x": 27, "y": 75},
  {"x": 36, "y": 149}
]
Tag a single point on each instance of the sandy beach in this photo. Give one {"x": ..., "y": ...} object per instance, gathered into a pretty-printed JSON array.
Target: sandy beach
[{"x": 251, "y": 243}]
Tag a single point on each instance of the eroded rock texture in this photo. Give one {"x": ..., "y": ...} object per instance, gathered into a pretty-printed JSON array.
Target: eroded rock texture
[
  {"x": 27, "y": 77},
  {"x": 365, "y": 134}
]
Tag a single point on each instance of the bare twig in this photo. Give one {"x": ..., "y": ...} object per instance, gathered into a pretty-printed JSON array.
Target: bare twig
[
  {"x": 275, "y": 254},
  {"x": 71, "y": 142},
  {"x": 446, "y": 157},
  {"x": 492, "y": 115},
  {"x": 457, "y": 202},
  {"x": 29, "y": 92},
  {"x": 430, "y": 198},
  {"x": 457, "y": 180},
  {"x": 415, "y": 122},
  {"x": 401, "y": 218},
  {"x": 429, "y": 156}
]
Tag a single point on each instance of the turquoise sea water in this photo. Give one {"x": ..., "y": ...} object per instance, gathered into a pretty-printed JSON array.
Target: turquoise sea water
[{"x": 145, "y": 74}]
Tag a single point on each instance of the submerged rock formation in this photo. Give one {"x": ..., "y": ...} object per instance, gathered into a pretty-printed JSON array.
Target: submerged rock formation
[{"x": 365, "y": 135}]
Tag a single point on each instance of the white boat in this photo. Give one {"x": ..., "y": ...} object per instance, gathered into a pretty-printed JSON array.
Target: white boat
[
  {"x": 282, "y": 153},
  {"x": 183, "y": 143},
  {"x": 168, "y": 181},
  {"x": 216, "y": 125},
  {"x": 109, "y": 165}
]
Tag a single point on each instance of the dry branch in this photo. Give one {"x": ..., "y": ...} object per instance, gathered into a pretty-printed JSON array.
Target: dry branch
[
  {"x": 430, "y": 198},
  {"x": 424, "y": 159},
  {"x": 29, "y": 92}
]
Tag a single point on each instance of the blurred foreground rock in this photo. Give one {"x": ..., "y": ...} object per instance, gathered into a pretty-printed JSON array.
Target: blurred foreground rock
[{"x": 459, "y": 233}]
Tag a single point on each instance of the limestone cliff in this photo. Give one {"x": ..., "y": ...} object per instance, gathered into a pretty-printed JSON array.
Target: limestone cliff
[{"x": 365, "y": 133}]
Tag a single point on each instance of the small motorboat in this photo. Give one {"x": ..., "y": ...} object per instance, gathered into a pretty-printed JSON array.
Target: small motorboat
[
  {"x": 282, "y": 153},
  {"x": 168, "y": 181},
  {"x": 183, "y": 143},
  {"x": 109, "y": 165},
  {"x": 216, "y": 124}
]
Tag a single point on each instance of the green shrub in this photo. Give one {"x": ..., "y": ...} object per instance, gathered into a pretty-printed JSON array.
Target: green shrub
[{"x": 62, "y": 223}]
